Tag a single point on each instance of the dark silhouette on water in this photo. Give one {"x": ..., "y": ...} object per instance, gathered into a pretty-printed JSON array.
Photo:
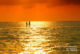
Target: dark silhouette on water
[{"x": 28, "y": 24}]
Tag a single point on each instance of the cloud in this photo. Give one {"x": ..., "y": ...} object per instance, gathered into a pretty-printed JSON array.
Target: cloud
[
  {"x": 9, "y": 2},
  {"x": 31, "y": 3},
  {"x": 53, "y": 3},
  {"x": 72, "y": 2}
]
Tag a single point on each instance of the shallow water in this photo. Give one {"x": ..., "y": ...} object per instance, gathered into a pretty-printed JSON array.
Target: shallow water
[{"x": 57, "y": 38}]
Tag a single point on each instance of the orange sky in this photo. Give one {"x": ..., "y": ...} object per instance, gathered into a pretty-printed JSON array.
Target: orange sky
[{"x": 39, "y": 10}]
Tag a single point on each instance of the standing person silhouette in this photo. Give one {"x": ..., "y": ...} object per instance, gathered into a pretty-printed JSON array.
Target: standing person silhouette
[{"x": 28, "y": 23}]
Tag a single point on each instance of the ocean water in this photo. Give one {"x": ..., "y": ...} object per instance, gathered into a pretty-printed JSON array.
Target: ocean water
[{"x": 61, "y": 37}]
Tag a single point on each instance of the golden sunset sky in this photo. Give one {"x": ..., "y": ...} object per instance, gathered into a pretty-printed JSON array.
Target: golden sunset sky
[{"x": 39, "y": 10}]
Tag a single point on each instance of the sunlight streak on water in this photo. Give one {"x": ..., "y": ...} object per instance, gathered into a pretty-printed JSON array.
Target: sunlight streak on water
[
  {"x": 40, "y": 52},
  {"x": 36, "y": 43}
]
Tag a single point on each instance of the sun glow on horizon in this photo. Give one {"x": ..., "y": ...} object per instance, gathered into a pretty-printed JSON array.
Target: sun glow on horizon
[{"x": 35, "y": 24}]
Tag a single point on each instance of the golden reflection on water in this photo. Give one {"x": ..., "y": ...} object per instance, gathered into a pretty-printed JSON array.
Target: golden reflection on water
[
  {"x": 36, "y": 43},
  {"x": 34, "y": 46},
  {"x": 40, "y": 52},
  {"x": 42, "y": 37}
]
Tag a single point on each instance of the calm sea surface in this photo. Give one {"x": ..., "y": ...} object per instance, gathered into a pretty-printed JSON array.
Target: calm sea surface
[{"x": 44, "y": 38}]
